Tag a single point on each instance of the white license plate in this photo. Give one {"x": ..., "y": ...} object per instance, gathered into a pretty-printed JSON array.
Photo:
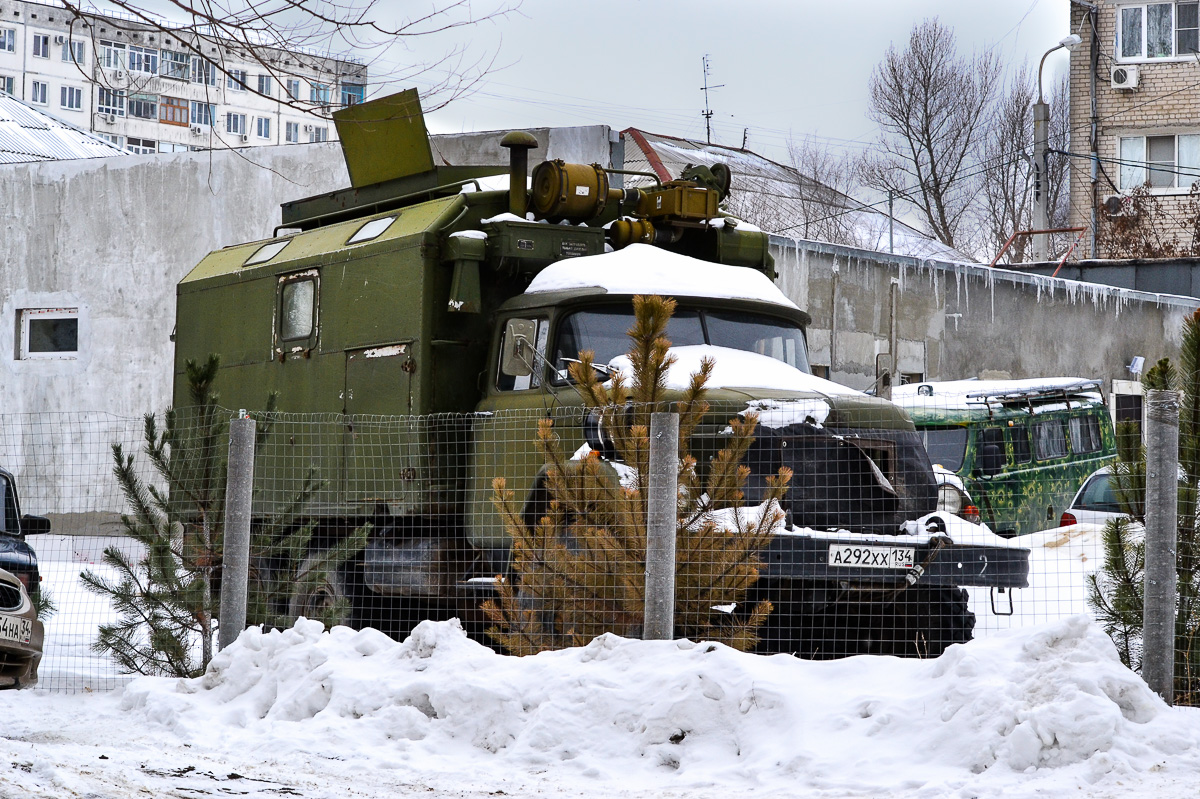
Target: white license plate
[
  {"x": 15, "y": 629},
  {"x": 872, "y": 557}
]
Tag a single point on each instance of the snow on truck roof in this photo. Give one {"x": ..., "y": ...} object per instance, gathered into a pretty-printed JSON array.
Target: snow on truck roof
[
  {"x": 644, "y": 269},
  {"x": 973, "y": 394}
]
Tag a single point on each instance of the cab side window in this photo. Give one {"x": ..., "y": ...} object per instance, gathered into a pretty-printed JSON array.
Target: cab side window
[
  {"x": 522, "y": 354},
  {"x": 1049, "y": 439}
]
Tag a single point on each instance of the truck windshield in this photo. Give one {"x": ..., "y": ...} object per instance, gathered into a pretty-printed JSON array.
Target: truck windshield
[
  {"x": 946, "y": 445},
  {"x": 606, "y": 333}
]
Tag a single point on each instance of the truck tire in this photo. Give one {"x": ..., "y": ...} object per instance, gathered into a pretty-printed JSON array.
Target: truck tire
[
  {"x": 326, "y": 597},
  {"x": 929, "y": 620}
]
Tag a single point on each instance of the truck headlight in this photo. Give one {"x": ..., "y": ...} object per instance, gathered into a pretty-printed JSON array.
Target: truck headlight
[{"x": 950, "y": 499}]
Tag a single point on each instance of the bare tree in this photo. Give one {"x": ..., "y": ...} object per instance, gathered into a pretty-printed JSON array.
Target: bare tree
[
  {"x": 287, "y": 39},
  {"x": 932, "y": 105},
  {"x": 1006, "y": 195},
  {"x": 824, "y": 179}
]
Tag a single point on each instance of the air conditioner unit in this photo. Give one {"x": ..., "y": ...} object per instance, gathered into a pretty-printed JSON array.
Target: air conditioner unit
[
  {"x": 119, "y": 74},
  {"x": 245, "y": 137},
  {"x": 196, "y": 130},
  {"x": 60, "y": 39},
  {"x": 109, "y": 118},
  {"x": 1124, "y": 76},
  {"x": 308, "y": 128}
]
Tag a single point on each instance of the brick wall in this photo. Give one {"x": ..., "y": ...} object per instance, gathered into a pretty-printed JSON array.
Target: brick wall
[{"x": 1166, "y": 101}]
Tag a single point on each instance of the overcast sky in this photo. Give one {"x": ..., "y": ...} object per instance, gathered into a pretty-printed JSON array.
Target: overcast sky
[{"x": 788, "y": 69}]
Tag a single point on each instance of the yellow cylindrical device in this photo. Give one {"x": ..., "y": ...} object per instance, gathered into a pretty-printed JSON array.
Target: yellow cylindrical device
[{"x": 573, "y": 192}]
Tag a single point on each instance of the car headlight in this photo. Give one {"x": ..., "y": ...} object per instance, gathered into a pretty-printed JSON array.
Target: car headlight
[{"x": 950, "y": 499}]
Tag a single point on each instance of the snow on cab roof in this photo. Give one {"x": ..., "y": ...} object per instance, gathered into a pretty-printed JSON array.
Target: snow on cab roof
[
  {"x": 644, "y": 269},
  {"x": 973, "y": 394}
]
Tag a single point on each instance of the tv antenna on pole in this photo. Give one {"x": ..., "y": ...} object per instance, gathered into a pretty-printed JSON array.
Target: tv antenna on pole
[{"x": 707, "y": 112}]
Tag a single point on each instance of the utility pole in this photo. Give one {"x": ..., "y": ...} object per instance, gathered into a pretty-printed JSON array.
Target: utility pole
[
  {"x": 1041, "y": 218},
  {"x": 707, "y": 112},
  {"x": 891, "y": 224}
]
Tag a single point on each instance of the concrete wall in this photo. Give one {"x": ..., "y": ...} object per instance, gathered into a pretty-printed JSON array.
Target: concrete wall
[
  {"x": 587, "y": 144},
  {"x": 112, "y": 237},
  {"x": 959, "y": 321}
]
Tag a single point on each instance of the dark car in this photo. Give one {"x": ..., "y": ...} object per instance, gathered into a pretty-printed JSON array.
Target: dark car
[
  {"x": 16, "y": 555},
  {"x": 21, "y": 634}
]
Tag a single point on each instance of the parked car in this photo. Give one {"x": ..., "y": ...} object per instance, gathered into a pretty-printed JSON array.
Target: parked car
[
  {"x": 1095, "y": 502},
  {"x": 21, "y": 634},
  {"x": 16, "y": 555},
  {"x": 1020, "y": 447}
]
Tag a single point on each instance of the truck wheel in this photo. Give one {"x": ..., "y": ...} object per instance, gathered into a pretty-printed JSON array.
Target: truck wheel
[{"x": 323, "y": 595}]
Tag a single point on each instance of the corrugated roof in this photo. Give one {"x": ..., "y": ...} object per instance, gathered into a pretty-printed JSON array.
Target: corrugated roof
[
  {"x": 27, "y": 134},
  {"x": 778, "y": 198}
]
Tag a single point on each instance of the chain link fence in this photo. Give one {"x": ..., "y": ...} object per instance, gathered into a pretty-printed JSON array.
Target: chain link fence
[{"x": 822, "y": 530}]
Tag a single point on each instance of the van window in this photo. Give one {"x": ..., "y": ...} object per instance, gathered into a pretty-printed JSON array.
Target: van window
[
  {"x": 1019, "y": 438},
  {"x": 298, "y": 309},
  {"x": 946, "y": 445},
  {"x": 1085, "y": 434},
  {"x": 1049, "y": 439}
]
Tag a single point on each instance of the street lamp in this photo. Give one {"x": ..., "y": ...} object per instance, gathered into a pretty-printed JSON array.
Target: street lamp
[{"x": 1041, "y": 132}]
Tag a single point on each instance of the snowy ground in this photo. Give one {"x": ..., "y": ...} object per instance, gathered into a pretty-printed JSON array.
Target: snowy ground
[{"x": 1043, "y": 708}]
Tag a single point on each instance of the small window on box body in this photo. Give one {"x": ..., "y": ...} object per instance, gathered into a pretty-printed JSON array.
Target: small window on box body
[
  {"x": 266, "y": 252},
  {"x": 297, "y": 309},
  {"x": 48, "y": 333},
  {"x": 372, "y": 230}
]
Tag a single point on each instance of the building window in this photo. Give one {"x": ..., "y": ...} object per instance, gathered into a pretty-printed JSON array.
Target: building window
[
  {"x": 39, "y": 92},
  {"x": 143, "y": 59},
  {"x": 8, "y": 40},
  {"x": 235, "y": 123},
  {"x": 1158, "y": 30},
  {"x": 352, "y": 93},
  {"x": 203, "y": 71},
  {"x": 112, "y": 55},
  {"x": 318, "y": 134},
  {"x": 264, "y": 85},
  {"x": 1165, "y": 162},
  {"x": 143, "y": 106},
  {"x": 318, "y": 93},
  {"x": 75, "y": 52},
  {"x": 111, "y": 101},
  {"x": 203, "y": 113},
  {"x": 113, "y": 138},
  {"x": 48, "y": 333},
  {"x": 174, "y": 65},
  {"x": 262, "y": 126},
  {"x": 291, "y": 132},
  {"x": 41, "y": 45},
  {"x": 293, "y": 89},
  {"x": 236, "y": 80},
  {"x": 173, "y": 111},
  {"x": 171, "y": 147},
  {"x": 141, "y": 146},
  {"x": 7, "y": 85},
  {"x": 71, "y": 98}
]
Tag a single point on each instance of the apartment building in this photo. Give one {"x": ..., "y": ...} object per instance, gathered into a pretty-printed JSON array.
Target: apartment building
[
  {"x": 1140, "y": 65},
  {"x": 161, "y": 88}
]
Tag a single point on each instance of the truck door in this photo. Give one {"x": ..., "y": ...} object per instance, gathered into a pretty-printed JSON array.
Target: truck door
[{"x": 379, "y": 380}]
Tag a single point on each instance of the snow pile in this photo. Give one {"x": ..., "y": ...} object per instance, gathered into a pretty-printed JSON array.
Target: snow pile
[
  {"x": 644, "y": 269},
  {"x": 676, "y": 714},
  {"x": 741, "y": 369}
]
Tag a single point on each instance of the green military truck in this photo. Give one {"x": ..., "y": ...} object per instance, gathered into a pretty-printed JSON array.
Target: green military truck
[
  {"x": 433, "y": 325},
  {"x": 1022, "y": 448}
]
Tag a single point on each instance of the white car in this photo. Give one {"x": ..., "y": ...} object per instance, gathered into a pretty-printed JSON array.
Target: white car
[{"x": 1095, "y": 502}]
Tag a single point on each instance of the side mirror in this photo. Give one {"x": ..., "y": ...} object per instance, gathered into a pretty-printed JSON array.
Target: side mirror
[
  {"x": 516, "y": 359},
  {"x": 34, "y": 525},
  {"x": 991, "y": 459}
]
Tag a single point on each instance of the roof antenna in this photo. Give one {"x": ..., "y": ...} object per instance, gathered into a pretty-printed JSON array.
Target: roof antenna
[{"x": 707, "y": 112}]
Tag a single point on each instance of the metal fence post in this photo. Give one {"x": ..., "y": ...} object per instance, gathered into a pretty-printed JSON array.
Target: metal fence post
[
  {"x": 235, "y": 566},
  {"x": 662, "y": 499},
  {"x": 1162, "y": 493}
]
